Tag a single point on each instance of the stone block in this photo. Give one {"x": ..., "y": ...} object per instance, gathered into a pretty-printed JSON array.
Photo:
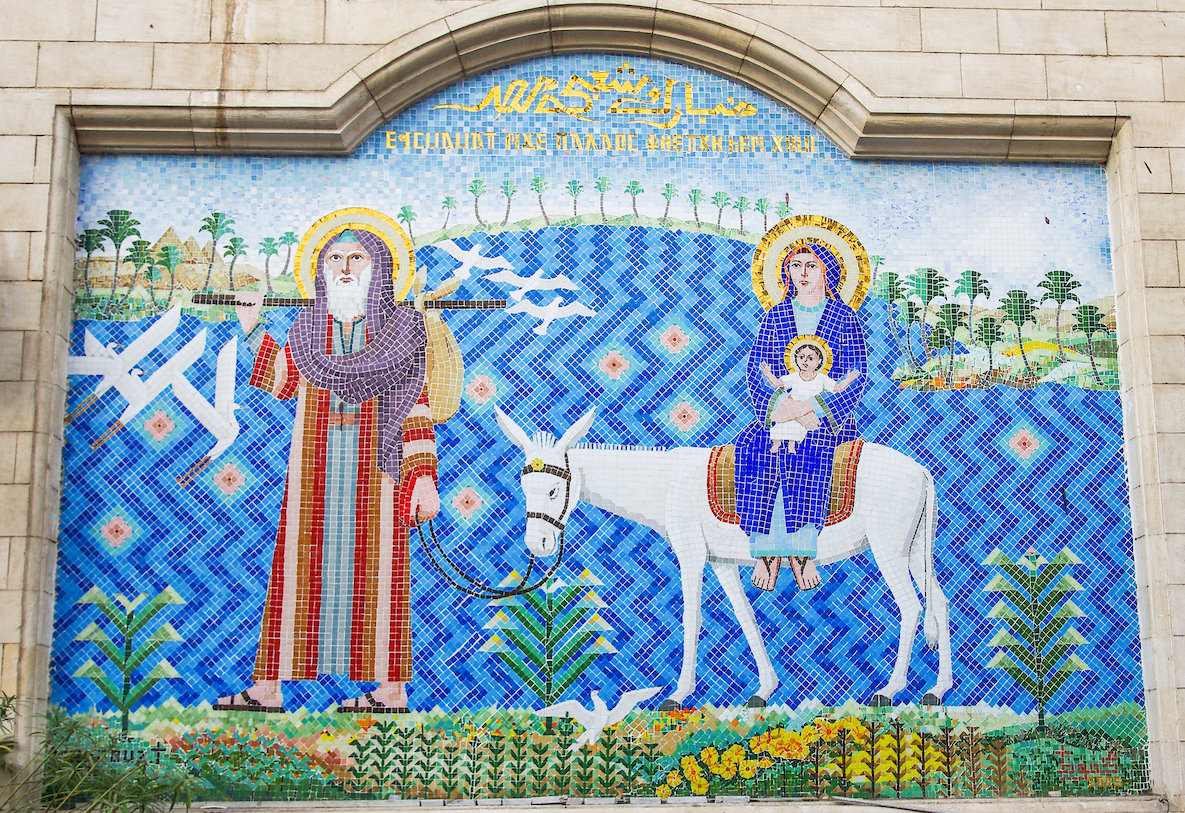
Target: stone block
[
  {"x": 16, "y": 405},
  {"x": 311, "y": 67},
  {"x": 1177, "y": 598},
  {"x": 209, "y": 66},
  {"x": 1162, "y": 217},
  {"x": 963, "y": 3},
  {"x": 379, "y": 21},
  {"x": 48, "y": 20},
  {"x": 12, "y": 351},
  {"x": 10, "y": 655},
  {"x": 1110, "y": 78},
  {"x": 847, "y": 28},
  {"x": 1169, "y": 405},
  {"x": 1003, "y": 76},
  {"x": 1145, "y": 34},
  {"x": 1170, "y": 449},
  {"x": 18, "y": 64},
  {"x": 1153, "y": 172},
  {"x": 916, "y": 74},
  {"x": 23, "y": 206},
  {"x": 30, "y": 112},
  {"x": 95, "y": 65},
  {"x": 959, "y": 30},
  {"x": 1051, "y": 32},
  {"x": 14, "y": 255},
  {"x": 268, "y": 21},
  {"x": 14, "y": 513},
  {"x": 1160, "y": 263},
  {"x": 1155, "y": 125},
  {"x": 18, "y": 155},
  {"x": 158, "y": 21}
]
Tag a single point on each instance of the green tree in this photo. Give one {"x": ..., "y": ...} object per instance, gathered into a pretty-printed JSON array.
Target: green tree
[
  {"x": 217, "y": 225},
  {"x": 783, "y": 210},
  {"x": 235, "y": 247},
  {"x": 988, "y": 333},
  {"x": 509, "y": 187},
  {"x": 117, "y": 227},
  {"x": 720, "y": 200},
  {"x": 574, "y": 188},
  {"x": 1036, "y": 649},
  {"x": 633, "y": 189},
  {"x": 669, "y": 191},
  {"x": 950, "y": 316},
  {"x": 695, "y": 197},
  {"x": 875, "y": 261},
  {"x": 449, "y": 204},
  {"x": 268, "y": 248},
  {"x": 602, "y": 185},
  {"x": 1059, "y": 286},
  {"x": 539, "y": 186},
  {"x": 139, "y": 255},
  {"x": 890, "y": 288},
  {"x": 741, "y": 204},
  {"x": 288, "y": 240},
  {"x": 1088, "y": 319},
  {"x": 927, "y": 285},
  {"x": 477, "y": 188},
  {"x": 762, "y": 205},
  {"x": 169, "y": 257},
  {"x": 1018, "y": 309},
  {"x": 406, "y": 216},
  {"x": 972, "y": 285},
  {"x": 90, "y": 241}
]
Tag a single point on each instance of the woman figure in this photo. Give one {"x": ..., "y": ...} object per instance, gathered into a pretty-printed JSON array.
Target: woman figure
[{"x": 782, "y": 498}]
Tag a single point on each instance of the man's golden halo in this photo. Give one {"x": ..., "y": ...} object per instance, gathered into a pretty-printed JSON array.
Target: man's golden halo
[
  {"x": 331, "y": 225},
  {"x": 794, "y": 232},
  {"x": 810, "y": 340}
]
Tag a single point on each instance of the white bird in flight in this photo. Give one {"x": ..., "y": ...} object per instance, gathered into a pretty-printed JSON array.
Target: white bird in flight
[
  {"x": 218, "y": 418},
  {"x": 546, "y": 314},
  {"x": 469, "y": 259},
  {"x": 600, "y": 716},
  {"x": 535, "y": 282}
]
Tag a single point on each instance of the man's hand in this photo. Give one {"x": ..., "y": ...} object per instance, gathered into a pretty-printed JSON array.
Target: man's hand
[
  {"x": 791, "y": 410},
  {"x": 425, "y": 502},
  {"x": 247, "y": 305}
]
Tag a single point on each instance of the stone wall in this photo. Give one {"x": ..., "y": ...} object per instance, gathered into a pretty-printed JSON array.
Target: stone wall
[{"x": 1085, "y": 80}]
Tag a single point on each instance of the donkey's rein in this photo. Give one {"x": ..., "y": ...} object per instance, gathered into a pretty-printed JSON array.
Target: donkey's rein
[{"x": 476, "y": 588}]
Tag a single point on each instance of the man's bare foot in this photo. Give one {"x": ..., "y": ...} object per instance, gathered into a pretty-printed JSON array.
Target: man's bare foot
[
  {"x": 765, "y": 573},
  {"x": 805, "y": 572},
  {"x": 262, "y": 696}
]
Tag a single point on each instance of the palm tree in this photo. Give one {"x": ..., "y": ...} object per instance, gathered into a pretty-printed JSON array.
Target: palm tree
[
  {"x": 720, "y": 200},
  {"x": 151, "y": 275},
  {"x": 539, "y": 186},
  {"x": 1059, "y": 286},
  {"x": 508, "y": 189},
  {"x": 1018, "y": 309},
  {"x": 633, "y": 189},
  {"x": 449, "y": 204},
  {"x": 235, "y": 247},
  {"x": 406, "y": 216},
  {"x": 762, "y": 205},
  {"x": 988, "y": 333},
  {"x": 269, "y": 248},
  {"x": 288, "y": 239},
  {"x": 477, "y": 188},
  {"x": 218, "y": 225},
  {"x": 783, "y": 210},
  {"x": 890, "y": 289},
  {"x": 938, "y": 339},
  {"x": 1088, "y": 319},
  {"x": 669, "y": 191},
  {"x": 574, "y": 188},
  {"x": 972, "y": 285},
  {"x": 950, "y": 316},
  {"x": 602, "y": 185},
  {"x": 169, "y": 257},
  {"x": 90, "y": 241},
  {"x": 875, "y": 260},
  {"x": 695, "y": 197},
  {"x": 139, "y": 255},
  {"x": 741, "y": 204},
  {"x": 927, "y": 285},
  {"x": 117, "y": 227}
]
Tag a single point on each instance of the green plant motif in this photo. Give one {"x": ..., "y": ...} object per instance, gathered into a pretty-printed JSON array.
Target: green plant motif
[
  {"x": 669, "y": 192},
  {"x": 539, "y": 186},
  {"x": 449, "y": 204},
  {"x": 1037, "y": 648},
  {"x": 988, "y": 333},
  {"x": 926, "y": 285},
  {"x": 549, "y": 637},
  {"x": 741, "y": 204},
  {"x": 633, "y": 189},
  {"x": 783, "y": 210},
  {"x": 972, "y": 284},
  {"x": 1019, "y": 309},
  {"x": 720, "y": 200},
  {"x": 950, "y": 318},
  {"x": 122, "y": 652},
  {"x": 217, "y": 225},
  {"x": 139, "y": 255},
  {"x": 603, "y": 185},
  {"x": 761, "y": 205},
  {"x": 117, "y": 227},
  {"x": 235, "y": 247},
  {"x": 407, "y": 216},
  {"x": 477, "y": 188},
  {"x": 508, "y": 189},
  {"x": 1088, "y": 319},
  {"x": 288, "y": 239},
  {"x": 695, "y": 197},
  {"x": 268, "y": 248},
  {"x": 1059, "y": 286},
  {"x": 168, "y": 258},
  {"x": 891, "y": 289},
  {"x": 90, "y": 241},
  {"x": 574, "y": 188}
]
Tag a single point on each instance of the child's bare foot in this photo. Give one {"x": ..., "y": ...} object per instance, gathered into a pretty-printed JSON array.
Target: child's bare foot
[
  {"x": 805, "y": 572},
  {"x": 791, "y": 446},
  {"x": 776, "y": 445},
  {"x": 765, "y": 574}
]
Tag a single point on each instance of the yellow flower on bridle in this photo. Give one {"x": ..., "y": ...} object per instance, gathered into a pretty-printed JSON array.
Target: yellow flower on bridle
[{"x": 537, "y": 464}]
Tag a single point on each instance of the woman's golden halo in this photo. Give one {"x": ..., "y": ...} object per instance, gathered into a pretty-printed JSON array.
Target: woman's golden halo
[{"x": 795, "y": 232}]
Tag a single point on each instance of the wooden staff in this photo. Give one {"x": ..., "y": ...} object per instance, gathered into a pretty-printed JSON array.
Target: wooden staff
[{"x": 300, "y": 302}]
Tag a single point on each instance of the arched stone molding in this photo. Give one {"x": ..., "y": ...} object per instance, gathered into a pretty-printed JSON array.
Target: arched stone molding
[{"x": 494, "y": 34}]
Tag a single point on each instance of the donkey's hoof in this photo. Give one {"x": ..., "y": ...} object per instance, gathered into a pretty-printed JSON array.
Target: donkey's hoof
[
  {"x": 670, "y": 705},
  {"x": 931, "y": 699},
  {"x": 755, "y": 702},
  {"x": 880, "y": 701}
]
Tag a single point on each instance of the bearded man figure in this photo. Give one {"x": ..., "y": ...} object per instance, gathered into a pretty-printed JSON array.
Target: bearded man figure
[{"x": 361, "y": 470}]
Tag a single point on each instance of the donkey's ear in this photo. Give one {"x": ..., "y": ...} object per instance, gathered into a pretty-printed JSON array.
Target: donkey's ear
[
  {"x": 576, "y": 431},
  {"x": 511, "y": 429}
]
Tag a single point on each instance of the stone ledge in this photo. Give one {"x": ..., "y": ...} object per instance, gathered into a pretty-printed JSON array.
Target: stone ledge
[{"x": 478, "y": 39}]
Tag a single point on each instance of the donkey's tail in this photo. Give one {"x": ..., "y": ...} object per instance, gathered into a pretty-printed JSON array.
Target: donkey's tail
[{"x": 928, "y": 525}]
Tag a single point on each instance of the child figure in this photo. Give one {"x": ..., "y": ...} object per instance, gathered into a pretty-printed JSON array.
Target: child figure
[{"x": 802, "y": 385}]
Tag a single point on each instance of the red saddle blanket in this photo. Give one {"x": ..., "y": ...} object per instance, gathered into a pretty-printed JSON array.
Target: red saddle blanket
[{"x": 722, "y": 495}]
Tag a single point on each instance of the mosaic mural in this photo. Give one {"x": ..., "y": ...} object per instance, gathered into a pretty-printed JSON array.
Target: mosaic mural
[{"x": 598, "y": 428}]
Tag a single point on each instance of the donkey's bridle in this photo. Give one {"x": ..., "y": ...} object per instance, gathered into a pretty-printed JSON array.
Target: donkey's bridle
[{"x": 537, "y": 466}]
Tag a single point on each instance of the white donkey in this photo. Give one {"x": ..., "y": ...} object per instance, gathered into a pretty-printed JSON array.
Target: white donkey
[{"x": 666, "y": 490}]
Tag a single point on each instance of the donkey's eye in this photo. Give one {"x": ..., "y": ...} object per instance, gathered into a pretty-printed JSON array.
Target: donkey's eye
[{"x": 554, "y": 493}]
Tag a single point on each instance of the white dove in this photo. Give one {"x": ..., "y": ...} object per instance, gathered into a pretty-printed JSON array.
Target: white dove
[
  {"x": 535, "y": 282},
  {"x": 469, "y": 259},
  {"x": 219, "y": 418},
  {"x": 600, "y": 716},
  {"x": 548, "y": 313}
]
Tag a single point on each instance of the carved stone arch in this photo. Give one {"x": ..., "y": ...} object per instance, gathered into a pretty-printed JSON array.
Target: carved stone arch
[{"x": 492, "y": 35}]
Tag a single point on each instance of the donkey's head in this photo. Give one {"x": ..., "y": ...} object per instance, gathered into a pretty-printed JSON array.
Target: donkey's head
[{"x": 550, "y": 486}]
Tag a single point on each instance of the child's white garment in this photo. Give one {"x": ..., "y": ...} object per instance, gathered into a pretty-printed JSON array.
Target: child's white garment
[{"x": 799, "y": 390}]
